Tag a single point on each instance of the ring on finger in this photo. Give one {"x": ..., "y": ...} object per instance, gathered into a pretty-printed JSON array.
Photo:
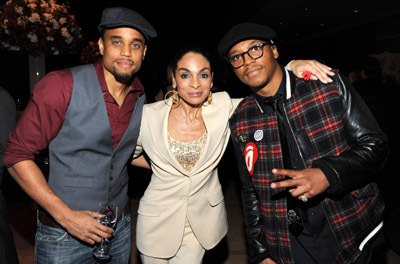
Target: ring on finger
[{"x": 304, "y": 198}]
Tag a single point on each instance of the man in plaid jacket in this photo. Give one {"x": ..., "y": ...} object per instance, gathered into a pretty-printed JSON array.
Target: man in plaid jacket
[{"x": 307, "y": 154}]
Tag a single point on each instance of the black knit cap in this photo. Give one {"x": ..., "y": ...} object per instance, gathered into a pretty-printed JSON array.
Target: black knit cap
[
  {"x": 115, "y": 17},
  {"x": 242, "y": 32}
]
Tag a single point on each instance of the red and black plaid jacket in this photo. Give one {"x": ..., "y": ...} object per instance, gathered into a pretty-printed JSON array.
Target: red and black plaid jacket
[{"x": 334, "y": 131}]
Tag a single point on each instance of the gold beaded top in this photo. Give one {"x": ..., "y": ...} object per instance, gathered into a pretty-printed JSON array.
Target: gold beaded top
[{"x": 187, "y": 153}]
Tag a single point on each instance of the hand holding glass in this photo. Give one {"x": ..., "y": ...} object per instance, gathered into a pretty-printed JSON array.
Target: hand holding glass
[{"x": 109, "y": 212}]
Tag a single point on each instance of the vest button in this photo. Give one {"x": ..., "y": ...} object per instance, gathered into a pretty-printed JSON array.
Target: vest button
[{"x": 111, "y": 178}]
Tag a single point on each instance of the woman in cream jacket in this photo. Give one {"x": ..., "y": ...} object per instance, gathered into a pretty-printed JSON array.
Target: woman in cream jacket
[{"x": 182, "y": 212}]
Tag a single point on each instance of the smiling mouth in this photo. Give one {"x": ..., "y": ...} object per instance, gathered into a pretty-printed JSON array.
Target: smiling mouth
[
  {"x": 197, "y": 94},
  {"x": 125, "y": 64}
]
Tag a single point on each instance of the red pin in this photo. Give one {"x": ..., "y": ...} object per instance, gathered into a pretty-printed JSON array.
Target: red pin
[
  {"x": 306, "y": 75},
  {"x": 251, "y": 156}
]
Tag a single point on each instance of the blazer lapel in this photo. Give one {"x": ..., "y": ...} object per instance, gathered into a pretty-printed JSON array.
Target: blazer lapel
[
  {"x": 213, "y": 115},
  {"x": 158, "y": 120}
]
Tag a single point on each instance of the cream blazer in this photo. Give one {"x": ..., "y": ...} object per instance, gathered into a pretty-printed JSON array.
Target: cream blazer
[{"x": 174, "y": 195}]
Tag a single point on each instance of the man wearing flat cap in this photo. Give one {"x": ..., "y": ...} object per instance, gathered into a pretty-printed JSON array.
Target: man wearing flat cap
[
  {"x": 89, "y": 118},
  {"x": 307, "y": 154}
]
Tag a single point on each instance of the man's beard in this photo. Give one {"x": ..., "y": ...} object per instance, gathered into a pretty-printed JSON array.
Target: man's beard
[
  {"x": 260, "y": 86},
  {"x": 123, "y": 78}
]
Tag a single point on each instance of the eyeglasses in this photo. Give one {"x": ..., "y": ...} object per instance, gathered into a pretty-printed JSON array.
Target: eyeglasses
[{"x": 254, "y": 52}]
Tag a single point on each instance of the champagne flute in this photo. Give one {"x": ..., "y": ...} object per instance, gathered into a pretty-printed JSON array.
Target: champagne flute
[{"x": 109, "y": 212}]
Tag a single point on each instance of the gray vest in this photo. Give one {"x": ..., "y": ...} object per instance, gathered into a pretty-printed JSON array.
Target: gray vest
[{"x": 84, "y": 168}]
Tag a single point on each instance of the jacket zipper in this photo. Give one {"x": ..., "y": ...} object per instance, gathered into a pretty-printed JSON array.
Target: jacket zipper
[{"x": 305, "y": 166}]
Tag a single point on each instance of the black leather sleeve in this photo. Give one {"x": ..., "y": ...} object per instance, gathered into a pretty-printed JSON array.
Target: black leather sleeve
[
  {"x": 256, "y": 242},
  {"x": 368, "y": 146}
]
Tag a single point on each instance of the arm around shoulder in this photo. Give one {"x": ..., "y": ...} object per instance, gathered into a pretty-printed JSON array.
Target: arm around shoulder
[
  {"x": 141, "y": 162},
  {"x": 368, "y": 144}
]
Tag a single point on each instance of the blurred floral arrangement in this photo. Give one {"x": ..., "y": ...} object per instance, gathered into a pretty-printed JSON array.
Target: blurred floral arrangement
[
  {"x": 38, "y": 26},
  {"x": 90, "y": 53}
]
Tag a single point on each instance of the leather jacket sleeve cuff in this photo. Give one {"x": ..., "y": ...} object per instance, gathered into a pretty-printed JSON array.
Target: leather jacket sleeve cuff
[
  {"x": 259, "y": 258},
  {"x": 331, "y": 175}
]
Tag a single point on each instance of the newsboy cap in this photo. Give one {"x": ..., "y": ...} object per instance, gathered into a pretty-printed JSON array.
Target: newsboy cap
[
  {"x": 242, "y": 32},
  {"x": 115, "y": 17}
]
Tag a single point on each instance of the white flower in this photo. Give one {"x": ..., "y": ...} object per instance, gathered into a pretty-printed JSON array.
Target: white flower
[
  {"x": 19, "y": 10},
  {"x": 55, "y": 24},
  {"x": 33, "y": 37},
  {"x": 49, "y": 38},
  {"x": 69, "y": 40},
  {"x": 15, "y": 48},
  {"x": 55, "y": 51}
]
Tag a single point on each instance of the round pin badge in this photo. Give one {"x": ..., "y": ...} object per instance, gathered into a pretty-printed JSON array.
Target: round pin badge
[{"x": 258, "y": 135}]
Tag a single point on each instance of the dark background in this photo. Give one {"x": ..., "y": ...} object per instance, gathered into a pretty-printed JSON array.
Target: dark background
[{"x": 329, "y": 31}]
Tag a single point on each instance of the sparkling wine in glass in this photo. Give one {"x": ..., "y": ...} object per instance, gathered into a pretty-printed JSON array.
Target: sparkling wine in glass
[{"x": 109, "y": 212}]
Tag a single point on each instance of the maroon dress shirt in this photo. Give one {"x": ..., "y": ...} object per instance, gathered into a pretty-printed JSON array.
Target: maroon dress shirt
[{"x": 45, "y": 113}]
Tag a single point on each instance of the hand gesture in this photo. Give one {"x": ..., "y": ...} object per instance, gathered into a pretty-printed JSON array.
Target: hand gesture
[{"x": 306, "y": 183}]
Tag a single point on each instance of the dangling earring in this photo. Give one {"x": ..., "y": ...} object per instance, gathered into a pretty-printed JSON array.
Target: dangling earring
[
  {"x": 209, "y": 100},
  {"x": 176, "y": 100}
]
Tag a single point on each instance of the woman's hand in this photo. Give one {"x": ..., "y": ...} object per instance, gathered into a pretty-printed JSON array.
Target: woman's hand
[
  {"x": 141, "y": 162},
  {"x": 318, "y": 70}
]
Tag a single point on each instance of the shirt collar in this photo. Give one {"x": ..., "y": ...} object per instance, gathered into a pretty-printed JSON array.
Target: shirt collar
[{"x": 281, "y": 93}]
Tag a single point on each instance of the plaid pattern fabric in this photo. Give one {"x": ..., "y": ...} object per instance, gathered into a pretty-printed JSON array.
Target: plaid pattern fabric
[
  {"x": 314, "y": 110},
  {"x": 317, "y": 111}
]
